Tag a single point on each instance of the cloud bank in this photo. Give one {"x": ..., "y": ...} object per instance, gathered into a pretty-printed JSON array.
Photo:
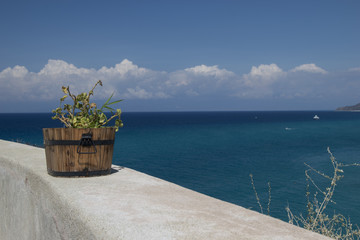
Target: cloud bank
[
  {"x": 310, "y": 68},
  {"x": 129, "y": 81}
]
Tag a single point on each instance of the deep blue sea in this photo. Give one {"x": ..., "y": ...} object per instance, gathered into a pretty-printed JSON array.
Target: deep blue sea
[{"x": 214, "y": 152}]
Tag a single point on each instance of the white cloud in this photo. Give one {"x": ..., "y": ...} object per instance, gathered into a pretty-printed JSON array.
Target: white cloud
[
  {"x": 214, "y": 71},
  {"x": 16, "y": 82},
  {"x": 126, "y": 79},
  {"x": 60, "y": 67},
  {"x": 140, "y": 93},
  {"x": 198, "y": 80},
  {"x": 311, "y": 68},
  {"x": 123, "y": 69},
  {"x": 263, "y": 75},
  {"x": 15, "y": 72},
  {"x": 137, "y": 93},
  {"x": 265, "y": 71},
  {"x": 178, "y": 79},
  {"x": 270, "y": 81},
  {"x": 129, "y": 81}
]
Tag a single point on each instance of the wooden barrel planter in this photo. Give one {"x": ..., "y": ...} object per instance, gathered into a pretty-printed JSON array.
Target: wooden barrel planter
[{"x": 73, "y": 152}]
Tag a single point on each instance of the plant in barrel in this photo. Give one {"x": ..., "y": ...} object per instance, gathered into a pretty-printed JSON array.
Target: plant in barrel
[
  {"x": 84, "y": 147},
  {"x": 83, "y": 113}
]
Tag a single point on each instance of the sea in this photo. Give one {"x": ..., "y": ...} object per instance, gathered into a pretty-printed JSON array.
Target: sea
[{"x": 215, "y": 152}]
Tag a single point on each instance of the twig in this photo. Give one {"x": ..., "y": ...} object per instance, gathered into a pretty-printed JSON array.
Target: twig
[{"x": 256, "y": 195}]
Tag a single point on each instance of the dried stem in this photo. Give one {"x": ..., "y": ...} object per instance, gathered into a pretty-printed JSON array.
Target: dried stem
[
  {"x": 337, "y": 226},
  {"x": 256, "y": 195}
]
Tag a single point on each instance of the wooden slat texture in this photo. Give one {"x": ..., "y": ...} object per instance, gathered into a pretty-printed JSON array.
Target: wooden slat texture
[{"x": 64, "y": 158}]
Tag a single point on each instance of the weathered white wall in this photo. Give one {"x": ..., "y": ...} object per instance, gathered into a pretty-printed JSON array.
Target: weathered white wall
[
  {"x": 29, "y": 207},
  {"x": 124, "y": 205}
]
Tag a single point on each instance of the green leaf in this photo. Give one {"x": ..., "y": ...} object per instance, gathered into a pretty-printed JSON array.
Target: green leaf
[
  {"x": 118, "y": 123},
  {"x": 105, "y": 104},
  {"x": 65, "y": 89},
  {"x": 115, "y": 102},
  {"x": 83, "y": 113},
  {"x": 109, "y": 108},
  {"x": 63, "y": 98}
]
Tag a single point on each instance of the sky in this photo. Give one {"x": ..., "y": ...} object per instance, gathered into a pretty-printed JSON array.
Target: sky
[{"x": 183, "y": 55}]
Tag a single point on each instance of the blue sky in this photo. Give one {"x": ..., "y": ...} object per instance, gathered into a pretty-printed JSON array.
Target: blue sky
[{"x": 182, "y": 55}]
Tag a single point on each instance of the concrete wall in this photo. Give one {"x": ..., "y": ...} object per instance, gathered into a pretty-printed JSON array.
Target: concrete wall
[{"x": 124, "y": 205}]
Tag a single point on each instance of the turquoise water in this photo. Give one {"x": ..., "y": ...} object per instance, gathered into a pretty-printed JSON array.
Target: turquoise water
[{"x": 214, "y": 152}]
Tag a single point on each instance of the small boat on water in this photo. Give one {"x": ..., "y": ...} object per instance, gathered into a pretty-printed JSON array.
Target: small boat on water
[{"x": 316, "y": 117}]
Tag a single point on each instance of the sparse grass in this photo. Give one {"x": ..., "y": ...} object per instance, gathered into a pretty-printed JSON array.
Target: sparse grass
[
  {"x": 317, "y": 220},
  {"x": 257, "y": 196}
]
